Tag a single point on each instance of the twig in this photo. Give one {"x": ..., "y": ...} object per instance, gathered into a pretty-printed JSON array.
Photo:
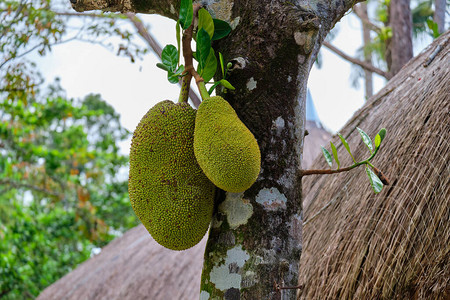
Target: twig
[
  {"x": 277, "y": 287},
  {"x": 188, "y": 55},
  {"x": 144, "y": 33},
  {"x": 322, "y": 172},
  {"x": 15, "y": 184},
  {"x": 358, "y": 62},
  {"x": 365, "y": 19},
  {"x": 378, "y": 172},
  {"x": 32, "y": 49}
]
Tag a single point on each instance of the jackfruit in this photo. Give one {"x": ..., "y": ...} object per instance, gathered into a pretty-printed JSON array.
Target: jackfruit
[
  {"x": 225, "y": 148},
  {"x": 168, "y": 190}
]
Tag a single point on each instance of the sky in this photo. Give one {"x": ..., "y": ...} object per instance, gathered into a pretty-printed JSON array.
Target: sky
[{"x": 133, "y": 88}]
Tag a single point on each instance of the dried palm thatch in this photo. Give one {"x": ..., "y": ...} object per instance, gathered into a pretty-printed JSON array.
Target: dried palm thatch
[
  {"x": 394, "y": 245},
  {"x": 134, "y": 267},
  {"x": 317, "y": 136}
]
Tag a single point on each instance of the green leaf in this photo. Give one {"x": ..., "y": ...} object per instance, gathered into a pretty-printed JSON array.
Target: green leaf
[
  {"x": 169, "y": 57},
  {"x": 375, "y": 182},
  {"x": 178, "y": 32},
  {"x": 221, "y": 65},
  {"x": 203, "y": 48},
  {"x": 229, "y": 65},
  {"x": 163, "y": 66},
  {"x": 221, "y": 29},
  {"x": 226, "y": 84},
  {"x": 205, "y": 21},
  {"x": 327, "y": 156},
  {"x": 433, "y": 27},
  {"x": 179, "y": 71},
  {"x": 211, "y": 89},
  {"x": 379, "y": 137},
  {"x": 335, "y": 155},
  {"x": 186, "y": 13},
  {"x": 172, "y": 77},
  {"x": 366, "y": 139},
  {"x": 344, "y": 142},
  {"x": 210, "y": 67}
]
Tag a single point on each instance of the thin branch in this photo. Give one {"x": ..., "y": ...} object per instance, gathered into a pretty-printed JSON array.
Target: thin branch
[
  {"x": 17, "y": 185},
  {"x": 323, "y": 172},
  {"x": 362, "y": 64},
  {"x": 188, "y": 55},
  {"x": 18, "y": 11},
  {"x": 92, "y": 15},
  {"x": 143, "y": 32},
  {"x": 34, "y": 48},
  {"x": 365, "y": 19},
  {"x": 9, "y": 90}
]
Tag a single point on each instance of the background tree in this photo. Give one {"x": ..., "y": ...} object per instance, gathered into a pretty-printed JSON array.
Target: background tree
[
  {"x": 388, "y": 29},
  {"x": 62, "y": 195}
]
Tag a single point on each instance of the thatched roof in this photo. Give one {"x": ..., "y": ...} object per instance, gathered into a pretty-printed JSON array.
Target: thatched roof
[
  {"x": 394, "y": 245},
  {"x": 317, "y": 136},
  {"x": 134, "y": 267}
]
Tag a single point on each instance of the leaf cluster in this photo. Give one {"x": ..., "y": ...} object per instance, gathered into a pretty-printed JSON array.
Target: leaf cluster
[
  {"x": 207, "y": 31},
  {"x": 373, "y": 148}
]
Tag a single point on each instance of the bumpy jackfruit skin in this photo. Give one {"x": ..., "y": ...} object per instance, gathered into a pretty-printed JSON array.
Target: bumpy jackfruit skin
[
  {"x": 168, "y": 190},
  {"x": 225, "y": 148}
]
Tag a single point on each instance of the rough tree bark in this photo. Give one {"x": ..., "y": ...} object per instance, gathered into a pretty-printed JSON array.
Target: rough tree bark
[
  {"x": 400, "y": 49},
  {"x": 255, "y": 237}
]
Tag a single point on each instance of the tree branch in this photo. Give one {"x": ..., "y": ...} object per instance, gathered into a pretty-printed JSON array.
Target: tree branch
[
  {"x": 365, "y": 18},
  {"x": 323, "y": 172},
  {"x": 355, "y": 61},
  {"x": 18, "y": 185},
  {"x": 168, "y": 8}
]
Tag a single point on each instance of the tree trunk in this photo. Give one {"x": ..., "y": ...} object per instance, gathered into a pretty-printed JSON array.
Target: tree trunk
[
  {"x": 400, "y": 49},
  {"x": 368, "y": 78},
  {"x": 255, "y": 237},
  {"x": 439, "y": 14}
]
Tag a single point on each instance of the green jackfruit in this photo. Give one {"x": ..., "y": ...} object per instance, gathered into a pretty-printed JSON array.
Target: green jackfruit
[
  {"x": 168, "y": 190},
  {"x": 225, "y": 148}
]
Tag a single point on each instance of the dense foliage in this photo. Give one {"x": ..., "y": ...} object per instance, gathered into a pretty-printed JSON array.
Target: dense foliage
[
  {"x": 63, "y": 181},
  {"x": 61, "y": 192}
]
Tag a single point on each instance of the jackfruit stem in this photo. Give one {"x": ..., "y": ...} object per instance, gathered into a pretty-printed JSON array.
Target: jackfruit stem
[
  {"x": 202, "y": 89},
  {"x": 187, "y": 55},
  {"x": 185, "y": 86}
]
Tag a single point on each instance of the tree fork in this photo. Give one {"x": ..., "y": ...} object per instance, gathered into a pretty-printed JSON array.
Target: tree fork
[{"x": 255, "y": 236}]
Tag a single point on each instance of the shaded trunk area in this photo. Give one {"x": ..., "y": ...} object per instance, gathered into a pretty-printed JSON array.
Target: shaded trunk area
[
  {"x": 399, "y": 48},
  {"x": 439, "y": 14}
]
